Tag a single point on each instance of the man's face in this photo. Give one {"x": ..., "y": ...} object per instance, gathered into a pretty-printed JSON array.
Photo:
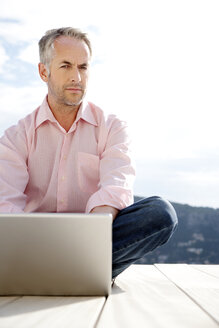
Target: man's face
[{"x": 67, "y": 81}]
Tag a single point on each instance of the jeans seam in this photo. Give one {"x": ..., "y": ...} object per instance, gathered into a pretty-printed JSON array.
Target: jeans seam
[{"x": 121, "y": 249}]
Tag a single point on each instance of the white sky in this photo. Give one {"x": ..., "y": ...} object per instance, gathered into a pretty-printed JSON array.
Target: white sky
[{"x": 156, "y": 64}]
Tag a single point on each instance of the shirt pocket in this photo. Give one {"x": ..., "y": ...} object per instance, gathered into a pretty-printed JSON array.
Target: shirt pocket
[{"x": 88, "y": 172}]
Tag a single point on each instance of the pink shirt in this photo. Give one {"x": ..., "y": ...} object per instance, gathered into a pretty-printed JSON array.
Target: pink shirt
[{"x": 43, "y": 168}]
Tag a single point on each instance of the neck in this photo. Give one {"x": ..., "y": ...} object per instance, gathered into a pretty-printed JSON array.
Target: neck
[{"x": 65, "y": 115}]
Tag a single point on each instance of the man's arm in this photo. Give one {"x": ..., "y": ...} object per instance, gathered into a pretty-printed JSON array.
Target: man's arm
[
  {"x": 116, "y": 172},
  {"x": 106, "y": 209},
  {"x": 13, "y": 171}
]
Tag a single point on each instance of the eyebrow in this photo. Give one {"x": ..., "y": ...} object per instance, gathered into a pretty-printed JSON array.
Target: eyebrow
[
  {"x": 69, "y": 63},
  {"x": 65, "y": 62}
]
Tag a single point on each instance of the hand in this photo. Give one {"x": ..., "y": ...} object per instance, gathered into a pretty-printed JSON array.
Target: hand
[{"x": 106, "y": 209}]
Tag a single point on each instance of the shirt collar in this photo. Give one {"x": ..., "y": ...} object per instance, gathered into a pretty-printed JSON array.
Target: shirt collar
[
  {"x": 85, "y": 112},
  {"x": 44, "y": 114}
]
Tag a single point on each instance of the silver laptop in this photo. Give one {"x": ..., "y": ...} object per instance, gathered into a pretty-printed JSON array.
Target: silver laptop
[{"x": 55, "y": 254}]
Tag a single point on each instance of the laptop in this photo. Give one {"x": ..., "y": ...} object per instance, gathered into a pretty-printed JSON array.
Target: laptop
[{"x": 55, "y": 254}]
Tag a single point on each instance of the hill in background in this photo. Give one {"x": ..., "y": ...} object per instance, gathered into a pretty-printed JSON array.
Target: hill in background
[{"x": 196, "y": 240}]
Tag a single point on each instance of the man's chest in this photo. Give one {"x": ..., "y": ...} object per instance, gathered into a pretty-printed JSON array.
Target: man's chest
[{"x": 57, "y": 157}]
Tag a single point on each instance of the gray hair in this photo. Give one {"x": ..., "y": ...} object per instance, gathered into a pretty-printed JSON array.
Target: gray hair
[{"x": 46, "y": 43}]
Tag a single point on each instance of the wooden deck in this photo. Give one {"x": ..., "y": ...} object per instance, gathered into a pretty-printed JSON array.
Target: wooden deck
[{"x": 152, "y": 296}]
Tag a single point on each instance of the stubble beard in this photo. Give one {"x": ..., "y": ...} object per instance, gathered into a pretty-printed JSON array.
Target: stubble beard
[
  {"x": 69, "y": 103},
  {"x": 62, "y": 100}
]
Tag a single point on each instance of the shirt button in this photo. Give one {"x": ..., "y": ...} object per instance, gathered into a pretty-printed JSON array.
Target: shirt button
[
  {"x": 63, "y": 178},
  {"x": 62, "y": 201},
  {"x": 65, "y": 157}
]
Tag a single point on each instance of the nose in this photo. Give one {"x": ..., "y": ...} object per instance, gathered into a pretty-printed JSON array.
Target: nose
[{"x": 75, "y": 75}]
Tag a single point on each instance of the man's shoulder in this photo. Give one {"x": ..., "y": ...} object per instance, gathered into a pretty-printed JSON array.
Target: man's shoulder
[
  {"x": 28, "y": 120},
  {"x": 105, "y": 116},
  {"x": 23, "y": 126},
  {"x": 96, "y": 111}
]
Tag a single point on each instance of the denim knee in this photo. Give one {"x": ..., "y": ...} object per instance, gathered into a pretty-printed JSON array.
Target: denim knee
[
  {"x": 167, "y": 213},
  {"x": 162, "y": 211}
]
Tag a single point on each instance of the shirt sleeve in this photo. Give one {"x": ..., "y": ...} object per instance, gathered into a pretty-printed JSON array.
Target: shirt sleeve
[
  {"x": 13, "y": 170},
  {"x": 116, "y": 170}
]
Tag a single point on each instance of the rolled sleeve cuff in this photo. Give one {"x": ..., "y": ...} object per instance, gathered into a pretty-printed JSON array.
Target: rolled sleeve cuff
[
  {"x": 114, "y": 196},
  {"x": 7, "y": 207}
]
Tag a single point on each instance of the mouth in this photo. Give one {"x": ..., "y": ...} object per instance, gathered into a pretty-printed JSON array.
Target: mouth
[
  {"x": 76, "y": 87},
  {"x": 74, "y": 90}
]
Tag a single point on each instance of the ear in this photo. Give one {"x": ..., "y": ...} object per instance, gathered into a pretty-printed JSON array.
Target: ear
[{"x": 43, "y": 72}]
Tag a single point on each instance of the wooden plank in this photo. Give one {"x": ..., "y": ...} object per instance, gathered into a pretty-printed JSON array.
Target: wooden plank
[
  {"x": 7, "y": 299},
  {"x": 143, "y": 297},
  {"x": 53, "y": 312},
  {"x": 212, "y": 269},
  {"x": 202, "y": 288}
]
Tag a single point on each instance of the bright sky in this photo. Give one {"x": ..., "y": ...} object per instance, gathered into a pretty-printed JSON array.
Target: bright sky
[{"x": 156, "y": 64}]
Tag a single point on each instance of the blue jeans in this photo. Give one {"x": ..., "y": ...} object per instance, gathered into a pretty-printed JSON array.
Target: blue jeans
[{"x": 139, "y": 229}]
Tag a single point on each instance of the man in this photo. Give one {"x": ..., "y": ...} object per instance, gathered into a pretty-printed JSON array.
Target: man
[{"x": 67, "y": 156}]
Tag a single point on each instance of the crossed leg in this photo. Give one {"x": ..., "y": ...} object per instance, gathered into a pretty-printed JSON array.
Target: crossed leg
[{"x": 139, "y": 229}]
